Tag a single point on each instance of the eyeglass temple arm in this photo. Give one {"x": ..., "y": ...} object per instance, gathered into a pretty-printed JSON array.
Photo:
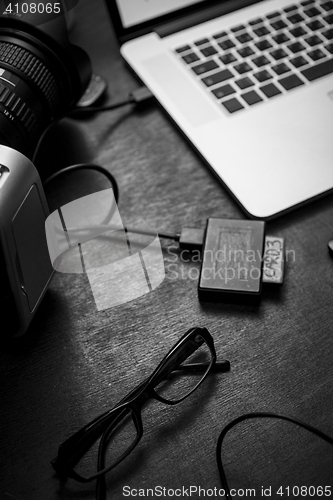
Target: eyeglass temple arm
[
  {"x": 173, "y": 361},
  {"x": 219, "y": 366},
  {"x": 71, "y": 450}
]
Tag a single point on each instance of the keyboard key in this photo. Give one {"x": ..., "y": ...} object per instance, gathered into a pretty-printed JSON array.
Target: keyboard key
[
  {"x": 201, "y": 68},
  {"x": 256, "y": 21},
  {"x": 244, "y": 37},
  {"x": 316, "y": 54},
  {"x": 272, "y": 15},
  {"x": 298, "y": 32},
  {"x": 313, "y": 40},
  {"x": 315, "y": 25},
  {"x": 245, "y": 51},
  {"x": 280, "y": 69},
  {"x": 261, "y": 31},
  {"x": 329, "y": 47},
  {"x": 223, "y": 91},
  {"x": 263, "y": 44},
  {"x": 232, "y": 105},
  {"x": 295, "y": 18},
  {"x": 329, "y": 19},
  {"x": 262, "y": 76},
  {"x": 244, "y": 83},
  {"x": 281, "y": 38},
  {"x": 183, "y": 49},
  {"x": 208, "y": 51},
  {"x": 191, "y": 58},
  {"x": 201, "y": 42},
  {"x": 226, "y": 44},
  {"x": 260, "y": 61},
  {"x": 238, "y": 28},
  {"x": 278, "y": 54},
  {"x": 291, "y": 82},
  {"x": 219, "y": 77},
  {"x": 242, "y": 68},
  {"x": 299, "y": 61},
  {"x": 307, "y": 2},
  {"x": 220, "y": 35},
  {"x": 296, "y": 47},
  {"x": 327, "y": 5},
  {"x": 270, "y": 90},
  {"x": 290, "y": 8},
  {"x": 251, "y": 97},
  {"x": 228, "y": 58},
  {"x": 279, "y": 25},
  {"x": 328, "y": 34},
  {"x": 319, "y": 70},
  {"x": 312, "y": 12}
]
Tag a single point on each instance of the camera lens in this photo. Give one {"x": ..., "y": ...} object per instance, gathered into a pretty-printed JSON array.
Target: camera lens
[{"x": 41, "y": 78}]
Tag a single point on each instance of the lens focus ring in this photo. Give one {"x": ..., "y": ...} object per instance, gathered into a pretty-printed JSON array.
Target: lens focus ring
[{"x": 33, "y": 68}]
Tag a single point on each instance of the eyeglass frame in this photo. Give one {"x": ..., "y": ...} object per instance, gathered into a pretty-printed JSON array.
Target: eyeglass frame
[{"x": 103, "y": 425}]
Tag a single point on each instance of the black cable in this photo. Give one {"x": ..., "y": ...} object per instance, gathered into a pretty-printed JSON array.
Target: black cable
[
  {"x": 73, "y": 112},
  {"x": 69, "y": 114},
  {"x": 137, "y": 96},
  {"x": 97, "y": 109},
  {"x": 110, "y": 177},
  {"x": 248, "y": 416},
  {"x": 129, "y": 229},
  {"x": 42, "y": 137},
  {"x": 87, "y": 166},
  {"x": 98, "y": 168}
]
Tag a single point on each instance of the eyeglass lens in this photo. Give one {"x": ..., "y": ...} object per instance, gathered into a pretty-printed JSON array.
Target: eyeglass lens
[{"x": 179, "y": 384}]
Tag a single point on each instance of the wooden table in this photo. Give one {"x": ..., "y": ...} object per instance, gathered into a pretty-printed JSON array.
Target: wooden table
[{"x": 76, "y": 362}]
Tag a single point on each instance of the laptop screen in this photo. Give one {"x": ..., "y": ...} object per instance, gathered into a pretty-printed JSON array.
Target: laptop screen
[
  {"x": 134, "y": 12},
  {"x": 132, "y": 18}
]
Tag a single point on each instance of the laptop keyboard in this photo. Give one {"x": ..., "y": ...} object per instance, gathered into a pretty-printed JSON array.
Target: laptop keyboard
[{"x": 265, "y": 57}]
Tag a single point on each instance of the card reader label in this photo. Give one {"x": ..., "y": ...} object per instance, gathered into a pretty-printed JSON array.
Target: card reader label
[{"x": 273, "y": 267}]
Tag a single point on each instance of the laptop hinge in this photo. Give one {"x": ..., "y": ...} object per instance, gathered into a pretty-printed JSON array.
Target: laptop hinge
[{"x": 190, "y": 20}]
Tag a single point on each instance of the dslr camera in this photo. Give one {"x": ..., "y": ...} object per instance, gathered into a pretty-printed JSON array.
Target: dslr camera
[{"x": 42, "y": 76}]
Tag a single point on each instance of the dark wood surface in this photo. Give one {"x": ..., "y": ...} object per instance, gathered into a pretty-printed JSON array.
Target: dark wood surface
[{"x": 76, "y": 362}]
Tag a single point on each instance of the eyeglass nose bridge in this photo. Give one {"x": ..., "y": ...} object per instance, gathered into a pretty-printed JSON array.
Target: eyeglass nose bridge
[{"x": 137, "y": 403}]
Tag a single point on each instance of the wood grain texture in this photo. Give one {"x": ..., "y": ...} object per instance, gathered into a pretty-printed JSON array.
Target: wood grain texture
[{"x": 76, "y": 362}]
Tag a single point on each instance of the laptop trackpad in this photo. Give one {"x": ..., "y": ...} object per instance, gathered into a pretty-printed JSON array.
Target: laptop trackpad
[{"x": 185, "y": 97}]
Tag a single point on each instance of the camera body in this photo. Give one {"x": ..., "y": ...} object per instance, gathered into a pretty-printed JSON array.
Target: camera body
[
  {"x": 25, "y": 266},
  {"x": 42, "y": 76}
]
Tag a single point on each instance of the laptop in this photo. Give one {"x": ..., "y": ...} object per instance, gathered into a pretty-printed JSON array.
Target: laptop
[{"x": 250, "y": 83}]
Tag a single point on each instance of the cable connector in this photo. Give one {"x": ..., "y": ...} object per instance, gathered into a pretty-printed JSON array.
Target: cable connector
[
  {"x": 141, "y": 95},
  {"x": 191, "y": 238}
]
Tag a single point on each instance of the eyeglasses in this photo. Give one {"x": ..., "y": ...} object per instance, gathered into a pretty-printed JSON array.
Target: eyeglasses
[{"x": 120, "y": 429}]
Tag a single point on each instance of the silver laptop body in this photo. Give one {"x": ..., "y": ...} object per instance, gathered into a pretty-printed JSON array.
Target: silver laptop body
[{"x": 270, "y": 141}]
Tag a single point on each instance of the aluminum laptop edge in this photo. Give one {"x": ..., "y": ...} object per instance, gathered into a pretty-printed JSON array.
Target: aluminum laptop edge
[{"x": 272, "y": 156}]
